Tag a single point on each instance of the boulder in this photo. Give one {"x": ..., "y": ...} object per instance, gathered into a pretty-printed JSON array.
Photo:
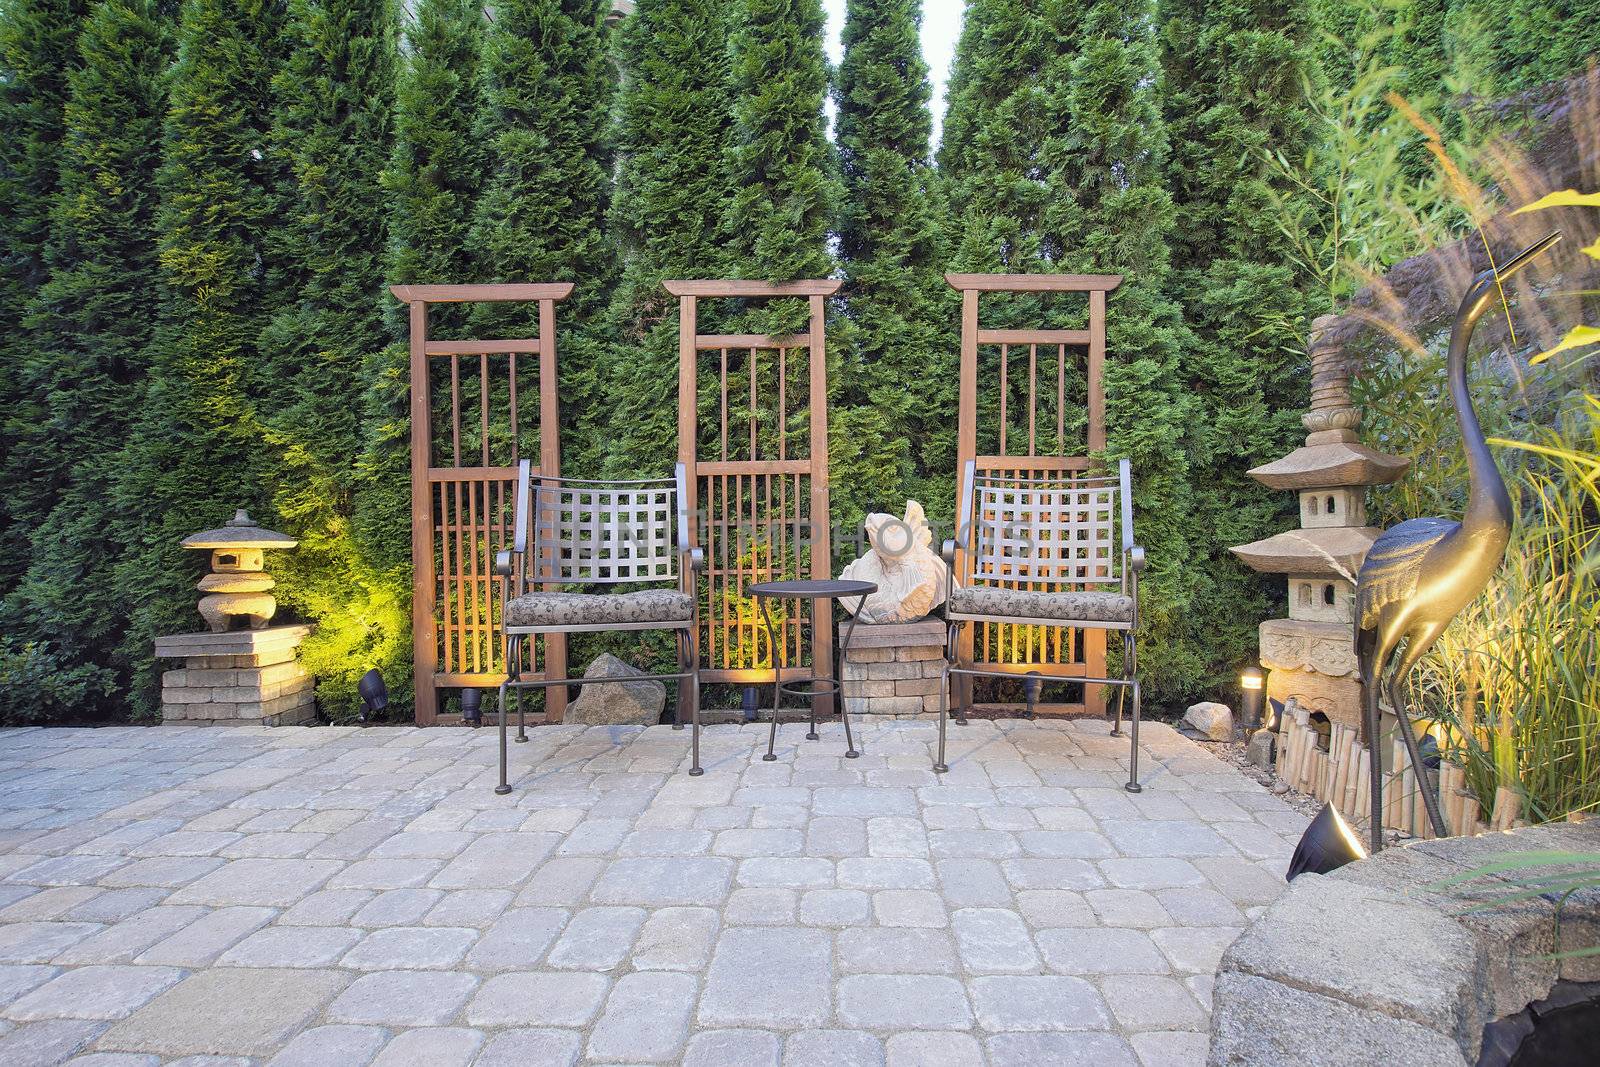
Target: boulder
[
  {"x": 631, "y": 703},
  {"x": 1211, "y": 720}
]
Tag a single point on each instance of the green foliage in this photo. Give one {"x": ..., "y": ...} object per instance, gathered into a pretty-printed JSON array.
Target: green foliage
[
  {"x": 93, "y": 319},
  {"x": 37, "y": 55},
  {"x": 333, "y": 124},
  {"x": 673, "y": 118},
  {"x": 1235, "y": 81},
  {"x": 902, "y": 372},
  {"x": 39, "y": 684},
  {"x": 548, "y": 84},
  {"x": 193, "y": 453},
  {"x": 432, "y": 180},
  {"x": 1516, "y": 677},
  {"x": 781, "y": 181},
  {"x": 1055, "y": 152}
]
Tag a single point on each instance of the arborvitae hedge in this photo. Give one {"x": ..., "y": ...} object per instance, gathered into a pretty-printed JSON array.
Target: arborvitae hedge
[
  {"x": 37, "y": 55},
  {"x": 1234, "y": 89},
  {"x": 432, "y": 182},
  {"x": 246, "y": 353},
  {"x": 548, "y": 83},
  {"x": 901, "y": 375},
  {"x": 333, "y": 125},
  {"x": 195, "y": 451},
  {"x": 673, "y": 119},
  {"x": 92, "y": 321},
  {"x": 1055, "y": 152}
]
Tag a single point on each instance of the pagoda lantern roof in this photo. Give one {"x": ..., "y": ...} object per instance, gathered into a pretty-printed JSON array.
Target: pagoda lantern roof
[
  {"x": 1310, "y": 553},
  {"x": 240, "y": 531},
  {"x": 1331, "y": 464}
]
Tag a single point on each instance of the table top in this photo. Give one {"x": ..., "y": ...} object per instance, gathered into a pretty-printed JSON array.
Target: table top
[{"x": 813, "y": 589}]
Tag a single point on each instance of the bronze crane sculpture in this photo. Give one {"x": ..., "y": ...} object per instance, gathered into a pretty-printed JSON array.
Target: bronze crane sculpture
[{"x": 1420, "y": 574}]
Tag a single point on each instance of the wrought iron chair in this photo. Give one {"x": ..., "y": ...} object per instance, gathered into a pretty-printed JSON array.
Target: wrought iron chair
[
  {"x": 599, "y": 534},
  {"x": 1040, "y": 551}
]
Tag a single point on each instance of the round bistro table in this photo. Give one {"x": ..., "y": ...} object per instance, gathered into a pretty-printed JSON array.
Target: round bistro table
[{"x": 814, "y": 685}]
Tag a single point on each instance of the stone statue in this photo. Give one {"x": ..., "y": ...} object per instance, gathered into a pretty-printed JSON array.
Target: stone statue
[{"x": 909, "y": 574}]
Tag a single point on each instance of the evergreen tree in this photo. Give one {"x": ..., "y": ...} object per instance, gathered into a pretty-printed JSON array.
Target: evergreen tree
[
  {"x": 194, "y": 452},
  {"x": 333, "y": 127},
  {"x": 92, "y": 322},
  {"x": 903, "y": 373},
  {"x": 541, "y": 217},
  {"x": 432, "y": 180},
  {"x": 37, "y": 55},
  {"x": 1234, "y": 91},
  {"x": 1056, "y": 155},
  {"x": 673, "y": 114}
]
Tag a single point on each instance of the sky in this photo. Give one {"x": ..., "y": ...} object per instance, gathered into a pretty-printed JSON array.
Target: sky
[{"x": 941, "y": 25}]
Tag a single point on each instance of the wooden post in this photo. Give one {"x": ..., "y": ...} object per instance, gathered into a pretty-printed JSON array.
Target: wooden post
[{"x": 424, "y": 629}]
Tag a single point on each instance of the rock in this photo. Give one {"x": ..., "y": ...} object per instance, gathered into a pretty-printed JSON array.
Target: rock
[
  {"x": 1258, "y": 750},
  {"x": 909, "y": 574},
  {"x": 632, "y": 703},
  {"x": 1214, "y": 721},
  {"x": 1280, "y": 787}
]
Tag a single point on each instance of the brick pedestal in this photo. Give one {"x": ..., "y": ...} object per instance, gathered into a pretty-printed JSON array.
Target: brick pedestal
[
  {"x": 242, "y": 677},
  {"x": 893, "y": 669}
]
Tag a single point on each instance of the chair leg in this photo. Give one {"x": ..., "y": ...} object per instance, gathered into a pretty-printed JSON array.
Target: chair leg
[
  {"x": 515, "y": 667},
  {"x": 950, "y": 658},
  {"x": 504, "y": 787},
  {"x": 1130, "y": 670},
  {"x": 683, "y": 666},
  {"x": 695, "y": 770},
  {"x": 1127, "y": 674},
  {"x": 939, "y": 765},
  {"x": 1133, "y": 785}
]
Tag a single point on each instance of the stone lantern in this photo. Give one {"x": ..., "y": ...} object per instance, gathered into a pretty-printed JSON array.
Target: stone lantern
[
  {"x": 238, "y": 587},
  {"x": 241, "y": 669},
  {"x": 1311, "y": 655}
]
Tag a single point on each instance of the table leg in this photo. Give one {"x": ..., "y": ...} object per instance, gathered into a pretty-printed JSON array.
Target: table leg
[
  {"x": 777, "y": 679},
  {"x": 844, "y": 652}
]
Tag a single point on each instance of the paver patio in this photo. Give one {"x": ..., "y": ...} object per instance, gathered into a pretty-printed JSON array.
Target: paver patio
[{"x": 334, "y": 895}]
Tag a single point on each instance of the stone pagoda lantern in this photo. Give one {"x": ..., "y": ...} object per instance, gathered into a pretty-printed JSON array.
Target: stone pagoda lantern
[
  {"x": 240, "y": 669},
  {"x": 238, "y": 586},
  {"x": 1311, "y": 655}
]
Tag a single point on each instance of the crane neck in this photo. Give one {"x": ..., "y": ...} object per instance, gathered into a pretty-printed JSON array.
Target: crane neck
[{"x": 1489, "y": 504}]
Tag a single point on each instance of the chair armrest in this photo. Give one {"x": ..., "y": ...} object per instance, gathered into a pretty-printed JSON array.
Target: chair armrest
[
  {"x": 697, "y": 559},
  {"x": 1135, "y": 558},
  {"x": 948, "y": 551},
  {"x": 503, "y": 563}
]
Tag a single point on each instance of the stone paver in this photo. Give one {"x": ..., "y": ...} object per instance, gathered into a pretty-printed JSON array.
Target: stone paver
[{"x": 248, "y": 896}]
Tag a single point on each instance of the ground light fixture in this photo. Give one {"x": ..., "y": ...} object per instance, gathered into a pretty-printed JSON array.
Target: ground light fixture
[
  {"x": 472, "y": 707},
  {"x": 1252, "y": 697},
  {"x": 374, "y": 694},
  {"x": 1327, "y": 845}
]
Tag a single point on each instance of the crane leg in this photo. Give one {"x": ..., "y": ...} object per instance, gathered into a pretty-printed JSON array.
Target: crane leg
[
  {"x": 1371, "y": 722},
  {"x": 1416, "y": 648}
]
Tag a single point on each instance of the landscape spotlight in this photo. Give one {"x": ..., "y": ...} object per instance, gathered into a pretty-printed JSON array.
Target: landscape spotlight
[
  {"x": 1252, "y": 693},
  {"x": 374, "y": 694},
  {"x": 472, "y": 707},
  {"x": 1327, "y": 845}
]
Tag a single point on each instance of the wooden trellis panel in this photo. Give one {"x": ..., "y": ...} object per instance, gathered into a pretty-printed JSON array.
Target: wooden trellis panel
[
  {"x": 471, "y": 403},
  {"x": 758, "y": 499},
  {"x": 1024, "y": 395}
]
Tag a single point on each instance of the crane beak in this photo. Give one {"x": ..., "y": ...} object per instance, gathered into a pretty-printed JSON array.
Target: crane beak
[{"x": 1527, "y": 255}]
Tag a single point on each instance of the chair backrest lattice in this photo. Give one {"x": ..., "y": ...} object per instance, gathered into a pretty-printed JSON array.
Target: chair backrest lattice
[
  {"x": 1036, "y": 535},
  {"x": 477, "y": 406},
  {"x": 599, "y": 533},
  {"x": 753, "y": 438},
  {"x": 1041, "y": 516}
]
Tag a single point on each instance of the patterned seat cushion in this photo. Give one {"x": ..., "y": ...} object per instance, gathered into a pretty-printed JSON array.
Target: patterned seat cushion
[
  {"x": 597, "y": 609},
  {"x": 1076, "y": 606}
]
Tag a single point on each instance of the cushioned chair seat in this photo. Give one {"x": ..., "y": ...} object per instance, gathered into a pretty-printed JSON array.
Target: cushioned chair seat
[
  {"x": 1076, "y": 606},
  {"x": 596, "y": 609}
]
